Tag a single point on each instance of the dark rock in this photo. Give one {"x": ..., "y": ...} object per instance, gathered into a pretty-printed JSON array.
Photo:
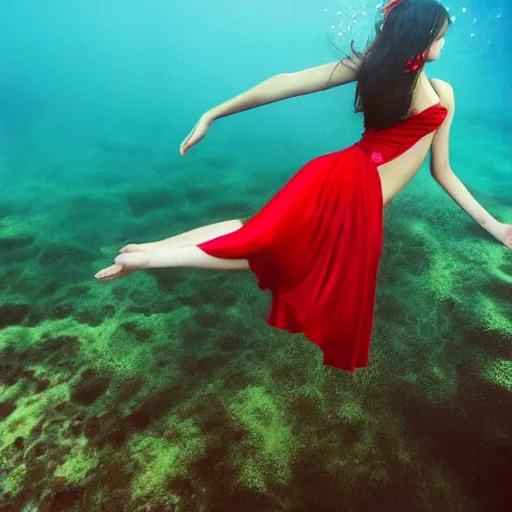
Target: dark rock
[
  {"x": 89, "y": 387},
  {"x": 6, "y": 409}
]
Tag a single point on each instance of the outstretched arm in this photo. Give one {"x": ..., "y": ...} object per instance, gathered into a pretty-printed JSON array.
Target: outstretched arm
[
  {"x": 289, "y": 85},
  {"x": 442, "y": 172},
  {"x": 277, "y": 88}
]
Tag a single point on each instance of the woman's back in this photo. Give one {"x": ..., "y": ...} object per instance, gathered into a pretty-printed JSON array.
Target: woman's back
[{"x": 426, "y": 108}]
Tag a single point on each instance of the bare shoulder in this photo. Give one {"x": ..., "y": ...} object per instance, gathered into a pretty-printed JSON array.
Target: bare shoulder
[{"x": 445, "y": 92}]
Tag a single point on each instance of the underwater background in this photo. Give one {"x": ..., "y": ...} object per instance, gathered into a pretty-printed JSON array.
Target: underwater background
[{"x": 166, "y": 390}]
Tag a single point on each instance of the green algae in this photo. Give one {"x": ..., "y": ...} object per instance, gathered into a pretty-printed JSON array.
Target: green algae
[
  {"x": 352, "y": 412},
  {"x": 79, "y": 463},
  {"x": 30, "y": 410},
  {"x": 12, "y": 484},
  {"x": 499, "y": 371},
  {"x": 265, "y": 455},
  {"x": 159, "y": 459},
  {"x": 493, "y": 317},
  {"x": 443, "y": 271}
]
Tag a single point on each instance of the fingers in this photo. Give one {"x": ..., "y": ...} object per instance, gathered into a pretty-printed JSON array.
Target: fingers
[
  {"x": 185, "y": 147},
  {"x": 184, "y": 144},
  {"x": 193, "y": 137},
  {"x": 188, "y": 142}
]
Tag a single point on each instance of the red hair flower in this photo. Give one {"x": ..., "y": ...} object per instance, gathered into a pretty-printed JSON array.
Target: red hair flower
[
  {"x": 416, "y": 63},
  {"x": 390, "y": 6}
]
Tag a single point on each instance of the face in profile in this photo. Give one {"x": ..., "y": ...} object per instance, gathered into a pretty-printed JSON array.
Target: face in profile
[{"x": 435, "y": 49}]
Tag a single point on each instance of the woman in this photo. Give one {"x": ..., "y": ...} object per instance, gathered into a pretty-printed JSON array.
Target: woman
[{"x": 317, "y": 244}]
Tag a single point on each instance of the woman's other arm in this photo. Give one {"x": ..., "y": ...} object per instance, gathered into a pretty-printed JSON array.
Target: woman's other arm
[{"x": 442, "y": 172}]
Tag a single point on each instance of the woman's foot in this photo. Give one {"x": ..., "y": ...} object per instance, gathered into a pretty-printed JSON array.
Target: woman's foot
[
  {"x": 113, "y": 272},
  {"x": 124, "y": 264}
]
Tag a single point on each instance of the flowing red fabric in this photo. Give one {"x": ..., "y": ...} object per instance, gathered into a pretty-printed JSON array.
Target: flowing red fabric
[{"x": 316, "y": 245}]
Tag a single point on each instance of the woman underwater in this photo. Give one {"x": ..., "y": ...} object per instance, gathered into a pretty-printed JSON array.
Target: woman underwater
[{"x": 316, "y": 245}]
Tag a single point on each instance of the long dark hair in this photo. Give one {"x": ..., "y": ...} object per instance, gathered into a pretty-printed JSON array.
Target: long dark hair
[{"x": 384, "y": 88}]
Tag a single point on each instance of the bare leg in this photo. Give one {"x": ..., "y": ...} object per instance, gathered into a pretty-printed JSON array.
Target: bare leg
[
  {"x": 178, "y": 257},
  {"x": 174, "y": 256},
  {"x": 192, "y": 237}
]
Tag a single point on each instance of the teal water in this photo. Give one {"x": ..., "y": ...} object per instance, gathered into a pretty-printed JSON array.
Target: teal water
[{"x": 166, "y": 390}]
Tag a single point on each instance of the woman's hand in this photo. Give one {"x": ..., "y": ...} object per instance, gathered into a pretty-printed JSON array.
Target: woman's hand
[
  {"x": 197, "y": 133},
  {"x": 503, "y": 233},
  {"x": 506, "y": 235}
]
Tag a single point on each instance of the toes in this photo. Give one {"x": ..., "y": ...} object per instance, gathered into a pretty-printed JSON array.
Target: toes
[
  {"x": 124, "y": 264},
  {"x": 123, "y": 273},
  {"x": 130, "y": 248},
  {"x": 109, "y": 272}
]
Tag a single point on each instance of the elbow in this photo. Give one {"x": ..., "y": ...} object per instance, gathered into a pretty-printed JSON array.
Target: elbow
[{"x": 440, "y": 173}]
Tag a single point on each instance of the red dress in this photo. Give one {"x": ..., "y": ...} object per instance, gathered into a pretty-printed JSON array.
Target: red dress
[{"x": 316, "y": 245}]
